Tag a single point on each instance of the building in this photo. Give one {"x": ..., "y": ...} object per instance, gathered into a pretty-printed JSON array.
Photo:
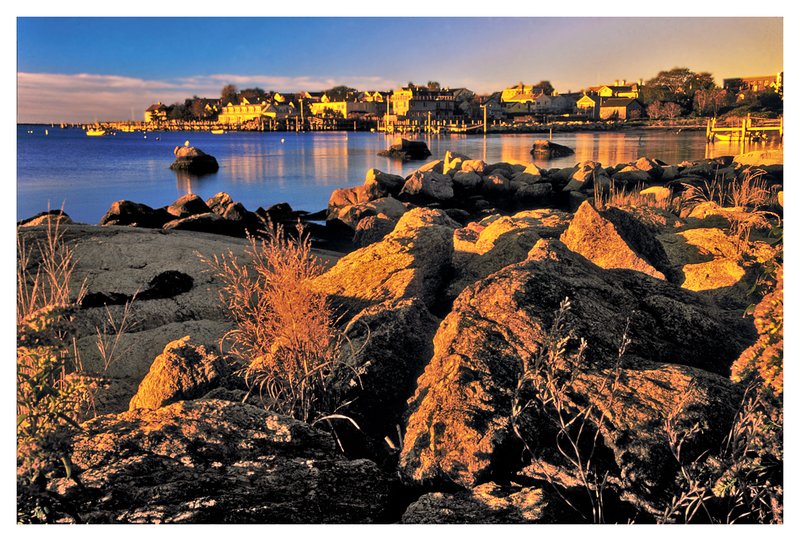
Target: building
[
  {"x": 414, "y": 102},
  {"x": 588, "y": 105},
  {"x": 620, "y": 89},
  {"x": 243, "y": 111},
  {"x": 155, "y": 113},
  {"x": 521, "y": 93},
  {"x": 754, "y": 84},
  {"x": 621, "y": 109}
]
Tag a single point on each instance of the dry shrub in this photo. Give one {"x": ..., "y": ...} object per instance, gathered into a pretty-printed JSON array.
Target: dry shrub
[
  {"x": 285, "y": 336},
  {"x": 620, "y": 197}
]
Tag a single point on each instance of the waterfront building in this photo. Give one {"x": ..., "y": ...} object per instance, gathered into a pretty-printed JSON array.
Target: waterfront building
[
  {"x": 621, "y": 109},
  {"x": 155, "y": 113},
  {"x": 521, "y": 93},
  {"x": 588, "y": 105},
  {"x": 243, "y": 111},
  {"x": 421, "y": 103}
]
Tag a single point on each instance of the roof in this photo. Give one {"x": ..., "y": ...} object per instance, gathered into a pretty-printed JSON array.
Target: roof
[
  {"x": 618, "y": 102},
  {"x": 156, "y": 107}
]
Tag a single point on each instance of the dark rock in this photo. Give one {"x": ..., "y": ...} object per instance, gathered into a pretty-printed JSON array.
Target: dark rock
[
  {"x": 406, "y": 150},
  {"x": 208, "y": 223},
  {"x": 379, "y": 184},
  {"x": 428, "y": 185},
  {"x": 216, "y": 461},
  {"x": 188, "y": 205},
  {"x": 52, "y": 217},
  {"x": 194, "y": 161},
  {"x": 544, "y": 149},
  {"x": 166, "y": 285},
  {"x": 125, "y": 212},
  {"x": 372, "y": 229}
]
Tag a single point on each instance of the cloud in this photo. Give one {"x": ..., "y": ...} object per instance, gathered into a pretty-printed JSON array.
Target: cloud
[{"x": 56, "y": 97}]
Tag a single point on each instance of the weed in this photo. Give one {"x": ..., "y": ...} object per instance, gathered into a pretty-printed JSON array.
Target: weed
[
  {"x": 285, "y": 340},
  {"x": 544, "y": 384}
]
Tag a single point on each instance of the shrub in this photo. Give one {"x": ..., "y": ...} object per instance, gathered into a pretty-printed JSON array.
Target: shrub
[
  {"x": 285, "y": 339},
  {"x": 50, "y": 400}
]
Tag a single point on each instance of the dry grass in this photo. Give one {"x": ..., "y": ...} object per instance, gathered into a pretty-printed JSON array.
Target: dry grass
[
  {"x": 49, "y": 399},
  {"x": 544, "y": 384},
  {"x": 286, "y": 337},
  {"x": 622, "y": 197}
]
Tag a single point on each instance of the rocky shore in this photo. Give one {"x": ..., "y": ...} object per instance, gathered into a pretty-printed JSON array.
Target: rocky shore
[{"x": 450, "y": 285}]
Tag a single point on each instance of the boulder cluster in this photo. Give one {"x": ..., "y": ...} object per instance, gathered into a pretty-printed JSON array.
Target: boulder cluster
[{"x": 450, "y": 303}]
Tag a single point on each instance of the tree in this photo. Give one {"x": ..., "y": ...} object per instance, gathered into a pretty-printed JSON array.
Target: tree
[
  {"x": 546, "y": 87},
  {"x": 178, "y": 111},
  {"x": 709, "y": 101},
  {"x": 654, "y": 110},
  {"x": 228, "y": 95},
  {"x": 677, "y": 85},
  {"x": 670, "y": 110},
  {"x": 339, "y": 93},
  {"x": 434, "y": 85}
]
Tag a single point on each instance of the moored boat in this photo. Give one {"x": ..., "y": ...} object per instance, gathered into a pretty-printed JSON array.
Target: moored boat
[
  {"x": 218, "y": 131},
  {"x": 95, "y": 132}
]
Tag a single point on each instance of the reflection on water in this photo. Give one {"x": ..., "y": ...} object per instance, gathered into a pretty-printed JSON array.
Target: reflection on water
[{"x": 261, "y": 169}]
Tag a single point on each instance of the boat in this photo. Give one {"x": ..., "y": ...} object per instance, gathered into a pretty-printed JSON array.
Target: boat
[
  {"x": 95, "y": 132},
  {"x": 218, "y": 131},
  {"x": 725, "y": 136}
]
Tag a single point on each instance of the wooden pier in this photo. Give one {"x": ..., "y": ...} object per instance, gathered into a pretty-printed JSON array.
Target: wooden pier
[{"x": 748, "y": 130}]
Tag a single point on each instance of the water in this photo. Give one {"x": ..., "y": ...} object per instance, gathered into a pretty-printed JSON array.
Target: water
[{"x": 87, "y": 174}]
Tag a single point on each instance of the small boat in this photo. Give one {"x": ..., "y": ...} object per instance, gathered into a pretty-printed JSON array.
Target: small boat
[
  {"x": 95, "y": 132},
  {"x": 218, "y": 131},
  {"x": 723, "y": 136}
]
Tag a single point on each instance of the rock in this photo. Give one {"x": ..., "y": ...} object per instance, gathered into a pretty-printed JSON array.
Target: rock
[
  {"x": 343, "y": 197},
  {"x": 459, "y": 419},
  {"x": 583, "y": 177},
  {"x": 660, "y": 194},
  {"x": 219, "y": 203},
  {"x": 631, "y": 175},
  {"x": 194, "y": 161},
  {"x": 188, "y": 205},
  {"x": 544, "y": 149},
  {"x": 351, "y": 215},
  {"x": 760, "y": 157},
  {"x": 182, "y": 372},
  {"x": 708, "y": 261},
  {"x": 437, "y": 166},
  {"x": 51, "y": 217},
  {"x": 390, "y": 344},
  {"x": 489, "y": 503},
  {"x": 669, "y": 172},
  {"x": 208, "y": 222},
  {"x": 125, "y": 212},
  {"x": 467, "y": 180},
  {"x": 504, "y": 168},
  {"x": 405, "y": 150},
  {"x": 534, "y": 193},
  {"x": 216, "y": 461},
  {"x": 613, "y": 239},
  {"x": 475, "y": 166},
  {"x": 651, "y": 167},
  {"x": 378, "y": 184},
  {"x": 452, "y": 162},
  {"x": 164, "y": 285},
  {"x": 496, "y": 184},
  {"x": 428, "y": 185},
  {"x": 409, "y": 262},
  {"x": 372, "y": 229}
]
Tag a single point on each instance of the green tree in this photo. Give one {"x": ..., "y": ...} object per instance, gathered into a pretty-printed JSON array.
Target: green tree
[
  {"x": 433, "y": 85},
  {"x": 546, "y": 87},
  {"x": 678, "y": 86}
]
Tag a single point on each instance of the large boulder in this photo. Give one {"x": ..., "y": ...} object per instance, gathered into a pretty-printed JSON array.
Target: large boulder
[
  {"x": 378, "y": 184},
  {"x": 585, "y": 176},
  {"x": 427, "y": 186},
  {"x": 405, "y": 150},
  {"x": 389, "y": 345},
  {"x": 126, "y": 212},
  {"x": 208, "y": 222},
  {"x": 631, "y": 175},
  {"x": 351, "y": 215},
  {"x": 372, "y": 229},
  {"x": 459, "y": 427},
  {"x": 194, "y": 161},
  {"x": 544, "y": 149},
  {"x": 216, "y": 461},
  {"x": 412, "y": 261},
  {"x": 182, "y": 372},
  {"x": 613, "y": 239},
  {"x": 50, "y": 217},
  {"x": 188, "y": 205}
]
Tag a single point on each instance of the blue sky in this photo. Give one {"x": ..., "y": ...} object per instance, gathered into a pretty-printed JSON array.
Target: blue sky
[{"x": 85, "y": 69}]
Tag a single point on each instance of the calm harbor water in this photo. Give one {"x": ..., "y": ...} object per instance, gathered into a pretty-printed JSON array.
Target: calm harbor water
[{"x": 87, "y": 174}]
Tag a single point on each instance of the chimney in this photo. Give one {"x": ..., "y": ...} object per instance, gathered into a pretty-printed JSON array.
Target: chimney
[{"x": 623, "y": 83}]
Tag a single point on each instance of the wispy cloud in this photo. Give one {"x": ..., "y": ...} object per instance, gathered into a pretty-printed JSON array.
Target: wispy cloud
[{"x": 55, "y": 97}]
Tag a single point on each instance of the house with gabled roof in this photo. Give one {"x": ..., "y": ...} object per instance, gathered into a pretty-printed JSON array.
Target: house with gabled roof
[
  {"x": 155, "y": 113},
  {"x": 621, "y": 109}
]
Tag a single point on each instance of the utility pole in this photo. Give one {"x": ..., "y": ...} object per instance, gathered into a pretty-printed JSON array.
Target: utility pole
[{"x": 484, "y": 118}]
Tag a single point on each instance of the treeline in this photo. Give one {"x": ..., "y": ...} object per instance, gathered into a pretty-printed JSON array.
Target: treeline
[{"x": 682, "y": 92}]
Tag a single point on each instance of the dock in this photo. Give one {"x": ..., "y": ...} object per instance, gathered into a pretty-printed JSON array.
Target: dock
[{"x": 747, "y": 130}]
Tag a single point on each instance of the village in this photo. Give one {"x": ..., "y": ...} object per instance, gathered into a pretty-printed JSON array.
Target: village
[{"x": 674, "y": 95}]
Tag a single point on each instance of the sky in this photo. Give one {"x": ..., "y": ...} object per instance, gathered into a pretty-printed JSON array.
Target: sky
[{"x": 90, "y": 69}]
